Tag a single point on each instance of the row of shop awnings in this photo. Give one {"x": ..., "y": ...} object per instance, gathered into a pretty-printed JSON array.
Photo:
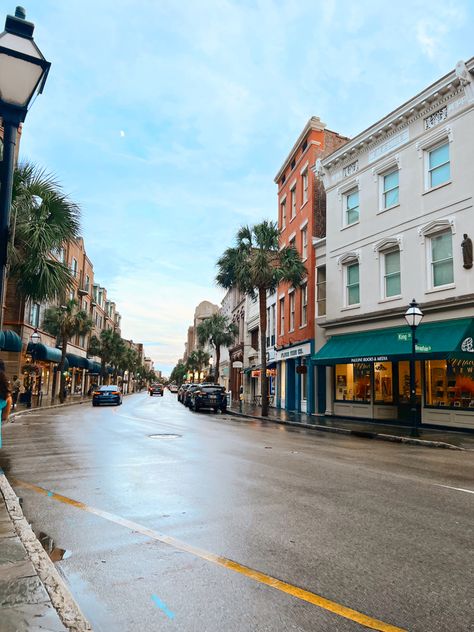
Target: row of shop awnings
[
  {"x": 10, "y": 341},
  {"x": 444, "y": 340},
  {"x": 39, "y": 351}
]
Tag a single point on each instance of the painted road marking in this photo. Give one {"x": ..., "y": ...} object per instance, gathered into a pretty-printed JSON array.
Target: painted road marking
[
  {"x": 458, "y": 489},
  {"x": 262, "y": 578},
  {"x": 163, "y": 607}
]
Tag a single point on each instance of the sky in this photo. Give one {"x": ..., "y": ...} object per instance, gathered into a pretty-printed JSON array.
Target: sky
[{"x": 167, "y": 122}]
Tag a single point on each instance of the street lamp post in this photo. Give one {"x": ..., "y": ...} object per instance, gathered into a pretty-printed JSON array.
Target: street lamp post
[
  {"x": 413, "y": 316},
  {"x": 23, "y": 72}
]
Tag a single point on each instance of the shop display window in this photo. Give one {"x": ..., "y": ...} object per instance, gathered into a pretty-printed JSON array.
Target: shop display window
[
  {"x": 450, "y": 383},
  {"x": 383, "y": 381},
  {"x": 352, "y": 382},
  {"x": 404, "y": 382}
]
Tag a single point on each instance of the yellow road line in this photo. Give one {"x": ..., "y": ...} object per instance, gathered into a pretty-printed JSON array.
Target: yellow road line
[{"x": 262, "y": 578}]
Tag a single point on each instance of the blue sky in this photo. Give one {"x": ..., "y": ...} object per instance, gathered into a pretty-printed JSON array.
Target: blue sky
[{"x": 167, "y": 121}]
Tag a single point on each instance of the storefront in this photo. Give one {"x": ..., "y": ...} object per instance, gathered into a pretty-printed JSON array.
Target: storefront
[
  {"x": 76, "y": 378},
  {"x": 40, "y": 368},
  {"x": 368, "y": 373},
  {"x": 295, "y": 378}
]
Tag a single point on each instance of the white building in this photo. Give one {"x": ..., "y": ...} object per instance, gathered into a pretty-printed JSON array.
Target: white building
[{"x": 399, "y": 205}]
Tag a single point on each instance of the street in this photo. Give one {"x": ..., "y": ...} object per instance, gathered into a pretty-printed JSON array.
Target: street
[{"x": 184, "y": 521}]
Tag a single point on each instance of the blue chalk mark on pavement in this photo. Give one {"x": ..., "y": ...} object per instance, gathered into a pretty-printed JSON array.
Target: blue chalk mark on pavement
[
  {"x": 50, "y": 493},
  {"x": 163, "y": 606}
]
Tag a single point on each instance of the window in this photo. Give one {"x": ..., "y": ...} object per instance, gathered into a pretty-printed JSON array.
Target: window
[
  {"x": 352, "y": 207},
  {"x": 352, "y": 382},
  {"x": 254, "y": 339},
  {"x": 293, "y": 163},
  {"x": 88, "y": 283},
  {"x": 321, "y": 290},
  {"x": 305, "y": 186},
  {"x": 292, "y": 311},
  {"x": 34, "y": 314},
  {"x": 439, "y": 170},
  {"x": 352, "y": 284},
  {"x": 82, "y": 340},
  {"x": 392, "y": 283},
  {"x": 442, "y": 259},
  {"x": 304, "y": 145},
  {"x": 304, "y": 304},
  {"x": 390, "y": 188},
  {"x": 283, "y": 213},
  {"x": 293, "y": 202},
  {"x": 449, "y": 383},
  {"x": 304, "y": 243},
  {"x": 74, "y": 267},
  {"x": 267, "y": 333},
  {"x": 292, "y": 242},
  {"x": 282, "y": 316},
  {"x": 272, "y": 329}
]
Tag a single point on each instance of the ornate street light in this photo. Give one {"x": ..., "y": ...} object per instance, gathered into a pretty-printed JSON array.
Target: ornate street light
[
  {"x": 35, "y": 337},
  {"x": 23, "y": 72},
  {"x": 413, "y": 316}
]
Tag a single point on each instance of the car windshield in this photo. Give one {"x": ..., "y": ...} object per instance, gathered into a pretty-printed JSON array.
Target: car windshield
[
  {"x": 106, "y": 389},
  {"x": 211, "y": 389}
]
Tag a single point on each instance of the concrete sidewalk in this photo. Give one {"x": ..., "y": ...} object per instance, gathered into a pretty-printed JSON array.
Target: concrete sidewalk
[
  {"x": 33, "y": 596},
  {"x": 430, "y": 437}
]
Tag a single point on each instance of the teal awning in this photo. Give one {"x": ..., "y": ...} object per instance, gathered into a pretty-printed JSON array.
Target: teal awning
[
  {"x": 94, "y": 367},
  {"x": 446, "y": 339},
  {"x": 42, "y": 352},
  {"x": 10, "y": 341},
  {"x": 77, "y": 362}
]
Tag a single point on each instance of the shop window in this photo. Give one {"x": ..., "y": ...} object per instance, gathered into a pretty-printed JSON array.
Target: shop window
[
  {"x": 383, "y": 383},
  {"x": 442, "y": 259},
  {"x": 449, "y": 383},
  {"x": 404, "y": 382},
  {"x": 352, "y": 382}
]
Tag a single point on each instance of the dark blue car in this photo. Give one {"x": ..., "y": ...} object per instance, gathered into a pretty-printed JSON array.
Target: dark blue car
[{"x": 107, "y": 395}]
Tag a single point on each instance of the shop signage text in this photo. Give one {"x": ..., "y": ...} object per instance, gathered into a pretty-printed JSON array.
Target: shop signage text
[
  {"x": 370, "y": 359},
  {"x": 294, "y": 352}
]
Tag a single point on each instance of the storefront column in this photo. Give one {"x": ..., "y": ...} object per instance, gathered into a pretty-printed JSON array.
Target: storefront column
[
  {"x": 310, "y": 404},
  {"x": 290, "y": 385},
  {"x": 298, "y": 389},
  {"x": 278, "y": 386},
  {"x": 329, "y": 391}
]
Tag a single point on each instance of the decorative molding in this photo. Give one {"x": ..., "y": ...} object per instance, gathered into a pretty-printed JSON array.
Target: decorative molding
[
  {"x": 436, "y": 226},
  {"x": 388, "y": 243},
  {"x": 432, "y": 139},
  {"x": 388, "y": 145},
  {"x": 387, "y": 165},
  {"x": 348, "y": 186},
  {"x": 348, "y": 257},
  {"x": 350, "y": 169},
  {"x": 436, "y": 118}
]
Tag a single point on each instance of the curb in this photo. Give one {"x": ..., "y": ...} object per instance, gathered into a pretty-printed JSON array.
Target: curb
[
  {"x": 61, "y": 598},
  {"x": 364, "y": 434}
]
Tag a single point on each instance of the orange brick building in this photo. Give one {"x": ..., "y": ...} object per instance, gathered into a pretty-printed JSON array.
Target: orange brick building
[{"x": 301, "y": 217}]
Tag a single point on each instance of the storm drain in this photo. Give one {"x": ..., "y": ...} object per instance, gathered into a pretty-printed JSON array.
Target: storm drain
[{"x": 164, "y": 436}]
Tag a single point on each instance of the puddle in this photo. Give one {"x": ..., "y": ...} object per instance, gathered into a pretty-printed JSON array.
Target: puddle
[
  {"x": 164, "y": 436},
  {"x": 55, "y": 553}
]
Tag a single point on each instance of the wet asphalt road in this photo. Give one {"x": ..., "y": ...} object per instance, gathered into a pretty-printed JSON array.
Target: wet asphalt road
[{"x": 365, "y": 524}]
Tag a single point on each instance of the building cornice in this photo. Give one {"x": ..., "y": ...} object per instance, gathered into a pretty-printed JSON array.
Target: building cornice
[
  {"x": 428, "y": 101},
  {"x": 314, "y": 124}
]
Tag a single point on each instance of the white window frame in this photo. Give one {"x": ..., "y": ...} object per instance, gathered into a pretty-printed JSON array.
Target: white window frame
[
  {"x": 346, "y": 209},
  {"x": 304, "y": 305},
  {"x": 283, "y": 212},
  {"x": 293, "y": 201},
  {"x": 432, "y": 286},
  {"x": 428, "y": 185},
  {"x": 292, "y": 310},
  {"x": 74, "y": 267},
  {"x": 304, "y": 243},
  {"x": 433, "y": 141},
  {"x": 281, "y": 306},
  {"x": 433, "y": 229},
  {"x": 384, "y": 253},
  {"x": 305, "y": 185},
  {"x": 34, "y": 315},
  {"x": 319, "y": 286},
  {"x": 382, "y": 190},
  {"x": 344, "y": 261}
]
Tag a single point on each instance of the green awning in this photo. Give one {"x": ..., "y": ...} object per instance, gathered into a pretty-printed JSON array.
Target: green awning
[
  {"x": 94, "y": 367},
  {"x": 77, "y": 362},
  {"x": 446, "y": 339},
  {"x": 42, "y": 352},
  {"x": 10, "y": 341}
]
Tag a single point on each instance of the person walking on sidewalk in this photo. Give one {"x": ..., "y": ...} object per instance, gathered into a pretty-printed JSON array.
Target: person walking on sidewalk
[
  {"x": 5, "y": 398},
  {"x": 16, "y": 386}
]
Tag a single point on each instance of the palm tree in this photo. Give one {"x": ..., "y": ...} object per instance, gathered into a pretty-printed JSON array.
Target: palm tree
[
  {"x": 217, "y": 331},
  {"x": 43, "y": 220},
  {"x": 65, "y": 322},
  {"x": 108, "y": 347},
  {"x": 197, "y": 360},
  {"x": 257, "y": 265},
  {"x": 178, "y": 374}
]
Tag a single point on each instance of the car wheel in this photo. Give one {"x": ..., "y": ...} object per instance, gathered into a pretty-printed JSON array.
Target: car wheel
[
  {"x": 196, "y": 409},
  {"x": 94, "y": 404}
]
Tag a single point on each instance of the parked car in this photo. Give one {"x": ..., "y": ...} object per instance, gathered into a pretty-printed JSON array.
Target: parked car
[
  {"x": 211, "y": 396},
  {"x": 188, "y": 393},
  {"x": 107, "y": 395},
  {"x": 173, "y": 388},
  {"x": 182, "y": 391},
  {"x": 156, "y": 389}
]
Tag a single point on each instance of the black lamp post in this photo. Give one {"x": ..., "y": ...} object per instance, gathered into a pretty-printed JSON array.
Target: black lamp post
[
  {"x": 413, "y": 316},
  {"x": 23, "y": 72}
]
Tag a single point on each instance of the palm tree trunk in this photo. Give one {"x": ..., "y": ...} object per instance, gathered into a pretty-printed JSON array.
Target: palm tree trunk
[
  {"x": 62, "y": 379},
  {"x": 218, "y": 360},
  {"x": 102, "y": 370},
  {"x": 262, "y": 300}
]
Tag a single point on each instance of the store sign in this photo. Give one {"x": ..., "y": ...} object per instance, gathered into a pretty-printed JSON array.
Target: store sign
[
  {"x": 294, "y": 352},
  {"x": 369, "y": 359}
]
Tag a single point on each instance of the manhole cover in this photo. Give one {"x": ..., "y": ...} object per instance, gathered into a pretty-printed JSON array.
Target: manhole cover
[{"x": 164, "y": 436}]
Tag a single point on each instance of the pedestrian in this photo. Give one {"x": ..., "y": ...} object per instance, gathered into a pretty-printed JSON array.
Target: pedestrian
[
  {"x": 16, "y": 386},
  {"x": 5, "y": 397}
]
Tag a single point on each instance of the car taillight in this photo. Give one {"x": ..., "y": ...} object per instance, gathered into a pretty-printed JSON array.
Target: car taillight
[
  {"x": 97, "y": 393},
  {"x": 115, "y": 392}
]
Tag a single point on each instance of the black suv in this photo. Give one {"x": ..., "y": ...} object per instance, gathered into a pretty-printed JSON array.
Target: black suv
[
  {"x": 188, "y": 393},
  {"x": 209, "y": 396}
]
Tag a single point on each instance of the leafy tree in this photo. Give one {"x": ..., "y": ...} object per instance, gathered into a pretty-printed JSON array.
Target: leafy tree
[
  {"x": 256, "y": 265},
  {"x": 65, "y": 322},
  {"x": 43, "y": 220},
  {"x": 108, "y": 347},
  {"x": 217, "y": 331},
  {"x": 178, "y": 374}
]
